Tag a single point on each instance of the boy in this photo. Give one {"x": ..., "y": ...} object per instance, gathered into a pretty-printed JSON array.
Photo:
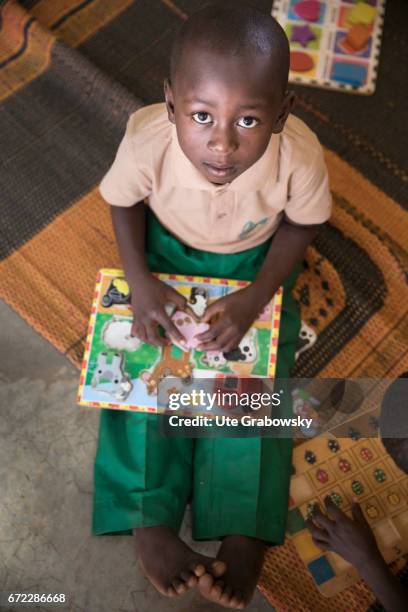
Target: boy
[
  {"x": 222, "y": 174},
  {"x": 354, "y": 540}
]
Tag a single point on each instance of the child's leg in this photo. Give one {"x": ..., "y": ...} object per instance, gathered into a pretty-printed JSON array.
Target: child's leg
[
  {"x": 141, "y": 478},
  {"x": 143, "y": 482},
  {"x": 241, "y": 493}
]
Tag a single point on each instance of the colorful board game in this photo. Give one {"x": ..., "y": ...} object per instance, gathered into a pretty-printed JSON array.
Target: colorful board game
[
  {"x": 333, "y": 43},
  {"x": 120, "y": 371},
  {"x": 347, "y": 469}
]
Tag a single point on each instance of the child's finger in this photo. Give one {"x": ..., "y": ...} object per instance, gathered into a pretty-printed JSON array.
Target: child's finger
[
  {"x": 152, "y": 334},
  {"x": 169, "y": 327},
  {"x": 334, "y": 512},
  {"x": 316, "y": 532},
  {"x": 323, "y": 544},
  {"x": 176, "y": 298},
  {"x": 358, "y": 514},
  {"x": 138, "y": 331},
  {"x": 212, "y": 333},
  {"x": 322, "y": 521},
  {"x": 216, "y": 307}
]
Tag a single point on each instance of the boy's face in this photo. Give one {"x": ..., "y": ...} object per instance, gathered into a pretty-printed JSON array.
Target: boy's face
[{"x": 225, "y": 109}]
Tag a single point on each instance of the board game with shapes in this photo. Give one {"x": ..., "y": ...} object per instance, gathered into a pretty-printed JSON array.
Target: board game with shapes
[
  {"x": 333, "y": 44},
  {"x": 121, "y": 371},
  {"x": 346, "y": 469}
]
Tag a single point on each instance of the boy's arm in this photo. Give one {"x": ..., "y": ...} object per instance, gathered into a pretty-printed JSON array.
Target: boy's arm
[
  {"x": 149, "y": 296},
  {"x": 241, "y": 308},
  {"x": 287, "y": 249}
]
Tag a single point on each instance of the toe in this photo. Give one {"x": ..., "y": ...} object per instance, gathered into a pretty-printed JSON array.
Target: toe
[
  {"x": 179, "y": 586},
  {"x": 226, "y": 596},
  {"x": 205, "y": 583},
  {"x": 237, "y": 601},
  {"x": 198, "y": 569},
  {"x": 170, "y": 592},
  {"x": 189, "y": 578},
  {"x": 217, "y": 590},
  {"x": 218, "y": 568}
]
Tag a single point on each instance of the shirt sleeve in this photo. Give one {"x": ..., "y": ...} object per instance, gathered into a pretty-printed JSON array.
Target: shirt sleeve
[
  {"x": 129, "y": 179},
  {"x": 309, "y": 198}
]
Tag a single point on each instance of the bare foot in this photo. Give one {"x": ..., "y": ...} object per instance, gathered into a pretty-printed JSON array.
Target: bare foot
[
  {"x": 170, "y": 565},
  {"x": 243, "y": 557}
]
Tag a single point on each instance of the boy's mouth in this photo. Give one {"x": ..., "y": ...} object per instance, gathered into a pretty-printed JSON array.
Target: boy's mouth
[{"x": 219, "y": 171}]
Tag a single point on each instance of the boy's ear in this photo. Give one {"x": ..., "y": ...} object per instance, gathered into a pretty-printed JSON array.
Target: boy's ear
[
  {"x": 168, "y": 95},
  {"x": 286, "y": 107}
]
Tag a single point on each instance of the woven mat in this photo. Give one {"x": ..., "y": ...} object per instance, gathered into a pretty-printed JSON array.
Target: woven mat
[{"x": 65, "y": 99}]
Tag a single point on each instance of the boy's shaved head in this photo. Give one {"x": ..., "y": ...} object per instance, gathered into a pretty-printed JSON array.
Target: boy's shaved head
[{"x": 236, "y": 30}]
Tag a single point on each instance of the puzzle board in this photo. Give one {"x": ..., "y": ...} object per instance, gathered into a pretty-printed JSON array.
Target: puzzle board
[
  {"x": 120, "y": 371},
  {"x": 347, "y": 469},
  {"x": 333, "y": 44}
]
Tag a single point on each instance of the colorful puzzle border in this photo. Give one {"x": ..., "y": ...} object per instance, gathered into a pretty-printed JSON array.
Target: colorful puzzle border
[
  {"x": 280, "y": 11},
  {"x": 115, "y": 272}
]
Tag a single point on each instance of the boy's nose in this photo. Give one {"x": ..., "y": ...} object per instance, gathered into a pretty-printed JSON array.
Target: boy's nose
[{"x": 222, "y": 141}]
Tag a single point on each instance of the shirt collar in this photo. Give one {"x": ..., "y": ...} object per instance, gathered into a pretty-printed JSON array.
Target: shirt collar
[{"x": 258, "y": 176}]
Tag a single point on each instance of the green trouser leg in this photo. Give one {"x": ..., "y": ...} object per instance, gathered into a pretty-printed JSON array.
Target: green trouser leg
[{"x": 239, "y": 485}]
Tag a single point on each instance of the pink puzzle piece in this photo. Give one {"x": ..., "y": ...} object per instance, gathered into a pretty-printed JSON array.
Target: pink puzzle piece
[
  {"x": 309, "y": 10},
  {"x": 189, "y": 328}
]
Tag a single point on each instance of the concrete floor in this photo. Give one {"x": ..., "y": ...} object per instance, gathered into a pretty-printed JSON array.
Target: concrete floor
[{"x": 46, "y": 460}]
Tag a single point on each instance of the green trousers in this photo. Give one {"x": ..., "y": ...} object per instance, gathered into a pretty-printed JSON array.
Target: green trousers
[{"x": 237, "y": 485}]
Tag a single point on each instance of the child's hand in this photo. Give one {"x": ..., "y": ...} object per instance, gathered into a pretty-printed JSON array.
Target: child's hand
[
  {"x": 237, "y": 312},
  {"x": 353, "y": 540},
  {"x": 149, "y": 310}
]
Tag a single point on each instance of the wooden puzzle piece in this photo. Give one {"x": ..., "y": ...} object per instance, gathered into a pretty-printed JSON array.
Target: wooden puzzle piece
[
  {"x": 372, "y": 509},
  {"x": 361, "y": 13},
  {"x": 302, "y": 62},
  {"x": 309, "y": 508},
  {"x": 349, "y": 73},
  {"x": 386, "y": 534},
  {"x": 110, "y": 377},
  {"x": 393, "y": 499},
  {"x": 309, "y": 10},
  {"x": 321, "y": 570},
  {"x": 337, "y": 496},
  {"x": 378, "y": 475},
  {"x": 118, "y": 292},
  {"x": 189, "y": 328},
  {"x": 305, "y": 546},
  {"x": 198, "y": 300},
  {"x": 364, "y": 453},
  {"x": 117, "y": 334},
  {"x": 357, "y": 37},
  {"x": 343, "y": 464},
  {"x": 169, "y": 365},
  {"x": 357, "y": 486},
  {"x": 321, "y": 476},
  {"x": 302, "y": 35}
]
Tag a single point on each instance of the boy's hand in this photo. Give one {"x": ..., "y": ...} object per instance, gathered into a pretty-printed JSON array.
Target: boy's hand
[
  {"x": 353, "y": 540},
  {"x": 237, "y": 311},
  {"x": 149, "y": 310}
]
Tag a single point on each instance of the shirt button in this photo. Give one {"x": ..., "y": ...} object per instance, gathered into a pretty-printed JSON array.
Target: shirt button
[{"x": 221, "y": 215}]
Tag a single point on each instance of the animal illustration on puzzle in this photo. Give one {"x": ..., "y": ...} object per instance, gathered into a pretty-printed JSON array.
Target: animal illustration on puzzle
[
  {"x": 333, "y": 43},
  {"x": 345, "y": 470},
  {"x": 129, "y": 371}
]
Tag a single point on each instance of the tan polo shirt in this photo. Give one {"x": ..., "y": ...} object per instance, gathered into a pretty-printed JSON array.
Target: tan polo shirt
[{"x": 290, "y": 176}]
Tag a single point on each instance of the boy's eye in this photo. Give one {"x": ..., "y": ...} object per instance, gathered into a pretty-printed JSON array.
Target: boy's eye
[
  {"x": 202, "y": 117},
  {"x": 248, "y": 122}
]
